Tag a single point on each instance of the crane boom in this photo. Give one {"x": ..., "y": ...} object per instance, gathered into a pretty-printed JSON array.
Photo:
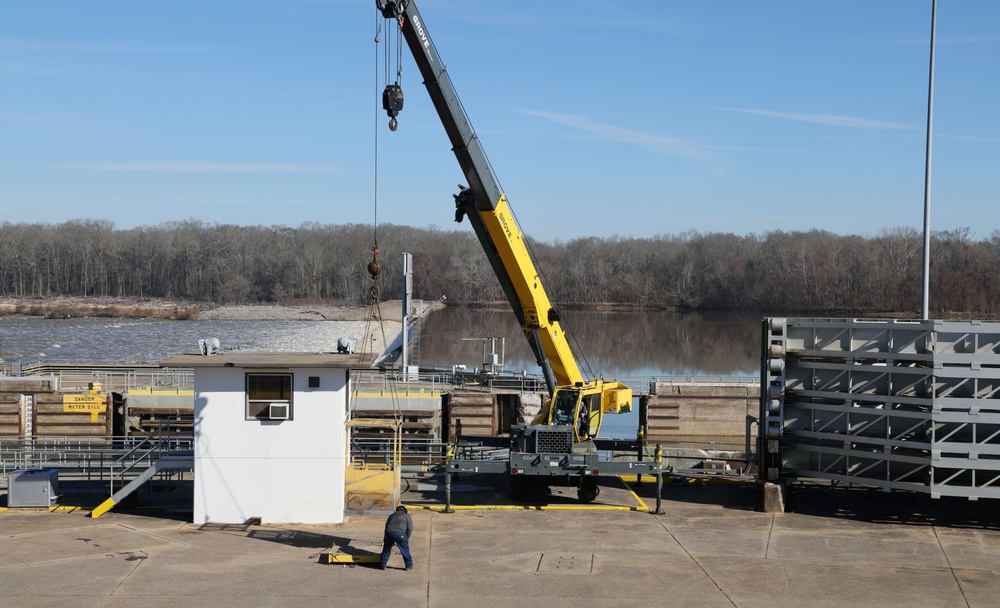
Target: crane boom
[{"x": 486, "y": 206}]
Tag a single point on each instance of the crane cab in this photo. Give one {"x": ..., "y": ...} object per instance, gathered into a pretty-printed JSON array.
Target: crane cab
[{"x": 583, "y": 407}]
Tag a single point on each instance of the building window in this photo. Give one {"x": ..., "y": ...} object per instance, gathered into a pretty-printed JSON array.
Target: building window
[{"x": 269, "y": 397}]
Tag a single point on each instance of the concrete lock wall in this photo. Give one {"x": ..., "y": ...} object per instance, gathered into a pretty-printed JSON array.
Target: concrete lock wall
[
  {"x": 289, "y": 471},
  {"x": 677, "y": 410}
]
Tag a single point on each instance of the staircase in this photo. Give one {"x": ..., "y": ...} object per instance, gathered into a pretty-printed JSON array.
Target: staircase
[{"x": 158, "y": 453}]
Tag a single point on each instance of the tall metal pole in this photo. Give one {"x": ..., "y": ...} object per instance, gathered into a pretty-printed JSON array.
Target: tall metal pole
[
  {"x": 404, "y": 365},
  {"x": 926, "y": 301}
]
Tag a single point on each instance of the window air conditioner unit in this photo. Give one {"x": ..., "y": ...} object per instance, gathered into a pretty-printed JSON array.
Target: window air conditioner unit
[{"x": 277, "y": 411}]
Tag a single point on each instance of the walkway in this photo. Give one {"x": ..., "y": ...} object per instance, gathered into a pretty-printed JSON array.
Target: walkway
[{"x": 838, "y": 548}]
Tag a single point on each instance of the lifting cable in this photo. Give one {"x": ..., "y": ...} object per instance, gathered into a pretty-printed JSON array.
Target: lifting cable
[
  {"x": 366, "y": 341},
  {"x": 374, "y": 315}
]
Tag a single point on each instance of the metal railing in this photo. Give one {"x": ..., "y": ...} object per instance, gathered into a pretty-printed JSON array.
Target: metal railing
[
  {"x": 415, "y": 453},
  {"x": 94, "y": 459},
  {"x": 146, "y": 452},
  {"x": 113, "y": 378},
  {"x": 439, "y": 380}
]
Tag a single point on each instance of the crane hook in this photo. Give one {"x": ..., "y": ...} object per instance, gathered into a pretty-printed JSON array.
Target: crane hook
[{"x": 393, "y": 124}]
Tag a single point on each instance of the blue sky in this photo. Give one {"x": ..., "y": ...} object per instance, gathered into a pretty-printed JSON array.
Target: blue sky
[{"x": 601, "y": 118}]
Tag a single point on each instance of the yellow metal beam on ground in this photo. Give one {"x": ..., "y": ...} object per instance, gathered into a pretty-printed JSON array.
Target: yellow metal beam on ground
[{"x": 343, "y": 558}]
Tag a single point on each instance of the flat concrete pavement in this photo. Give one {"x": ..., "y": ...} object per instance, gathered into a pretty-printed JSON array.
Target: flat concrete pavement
[{"x": 710, "y": 548}]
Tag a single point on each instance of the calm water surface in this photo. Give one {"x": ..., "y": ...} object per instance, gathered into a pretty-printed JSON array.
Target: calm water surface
[{"x": 613, "y": 344}]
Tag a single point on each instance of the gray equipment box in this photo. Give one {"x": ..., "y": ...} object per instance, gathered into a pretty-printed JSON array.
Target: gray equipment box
[{"x": 36, "y": 488}]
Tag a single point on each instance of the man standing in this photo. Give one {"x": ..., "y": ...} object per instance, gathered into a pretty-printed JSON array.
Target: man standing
[{"x": 397, "y": 532}]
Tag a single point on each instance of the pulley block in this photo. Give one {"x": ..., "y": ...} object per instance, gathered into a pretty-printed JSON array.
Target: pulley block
[{"x": 392, "y": 103}]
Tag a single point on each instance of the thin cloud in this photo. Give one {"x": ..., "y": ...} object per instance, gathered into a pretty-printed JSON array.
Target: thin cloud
[
  {"x": 196, "y": 166},
  {"x": 54, "y": 47},
  {"x": 52, "y": 123},
  {"x": 36, "y": 69},
  {"x": 826, "y": 119},
  {"x": 661, "y": 144}
]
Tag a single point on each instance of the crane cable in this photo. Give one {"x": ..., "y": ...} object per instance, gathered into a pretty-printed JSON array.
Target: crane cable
[
  {"x": 374, "y": 315},
  {"x": 374, "y": 263}
]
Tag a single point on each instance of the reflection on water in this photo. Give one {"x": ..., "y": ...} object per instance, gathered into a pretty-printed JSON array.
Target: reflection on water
[{"x": 611, "y": 344}]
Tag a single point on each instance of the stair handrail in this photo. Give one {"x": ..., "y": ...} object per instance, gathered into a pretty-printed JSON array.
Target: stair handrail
[{"x": 153, "y": 447}]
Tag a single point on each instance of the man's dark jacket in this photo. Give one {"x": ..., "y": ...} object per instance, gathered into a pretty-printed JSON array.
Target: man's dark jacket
[{"x": 399, "y": 522}]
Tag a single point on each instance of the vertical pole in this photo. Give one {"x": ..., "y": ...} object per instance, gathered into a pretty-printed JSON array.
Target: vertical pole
[
  {"x": 925, "y": 301},
  {"x": 641, "y": 441},
  {"x": 447, "y": 480},
  {"x": 640, "y": 433},
  {"x": 404, "y": 362},
  {"x": 659, "y": 481}
]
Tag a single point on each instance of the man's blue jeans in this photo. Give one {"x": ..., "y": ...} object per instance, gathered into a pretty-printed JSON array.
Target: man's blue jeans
[{"x": 396, "y": 538}]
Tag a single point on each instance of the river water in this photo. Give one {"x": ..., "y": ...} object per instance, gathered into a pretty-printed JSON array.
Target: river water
[{"x": 610, "y": 344}]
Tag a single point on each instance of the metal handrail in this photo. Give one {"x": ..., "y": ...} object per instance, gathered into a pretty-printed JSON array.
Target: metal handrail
[
  {"x": 88, "y": 454},
  {"x": 155, "y": 442},
  {"x": 111, "y": 378}
]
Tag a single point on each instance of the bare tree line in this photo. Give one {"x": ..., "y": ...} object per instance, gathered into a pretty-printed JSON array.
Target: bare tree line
[{"x": 784, "y": 271}]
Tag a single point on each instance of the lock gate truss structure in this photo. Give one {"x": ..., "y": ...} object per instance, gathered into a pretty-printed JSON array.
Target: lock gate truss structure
[{"x": 899, "y": 405}]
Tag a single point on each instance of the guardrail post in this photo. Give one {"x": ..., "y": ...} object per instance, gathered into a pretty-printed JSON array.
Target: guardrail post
[
  {"x": 450, "y": 455},
  {"x": 641, "y": 437},
  {"x": 659, "y": 481}
]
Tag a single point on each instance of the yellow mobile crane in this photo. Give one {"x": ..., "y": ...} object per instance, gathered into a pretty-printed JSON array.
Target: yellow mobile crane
[{"x": 559, "y": 441}]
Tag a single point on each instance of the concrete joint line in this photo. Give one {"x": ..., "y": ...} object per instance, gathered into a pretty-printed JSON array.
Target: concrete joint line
[
  {"x": 770, "y": 530},
  {"x": 950, "y": 567},
  {"x": 156, "y": 536},
  {"x": 60, "y": 531},
  {"x": 138, "y": 557},
  {"x": 62, "y": 560},
  {"x": 697, "y": 563},
  {"x": 427, "y": 558}
]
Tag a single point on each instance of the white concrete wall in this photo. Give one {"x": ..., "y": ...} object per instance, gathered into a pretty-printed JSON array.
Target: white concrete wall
[{"x": 289, "y": 471}]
